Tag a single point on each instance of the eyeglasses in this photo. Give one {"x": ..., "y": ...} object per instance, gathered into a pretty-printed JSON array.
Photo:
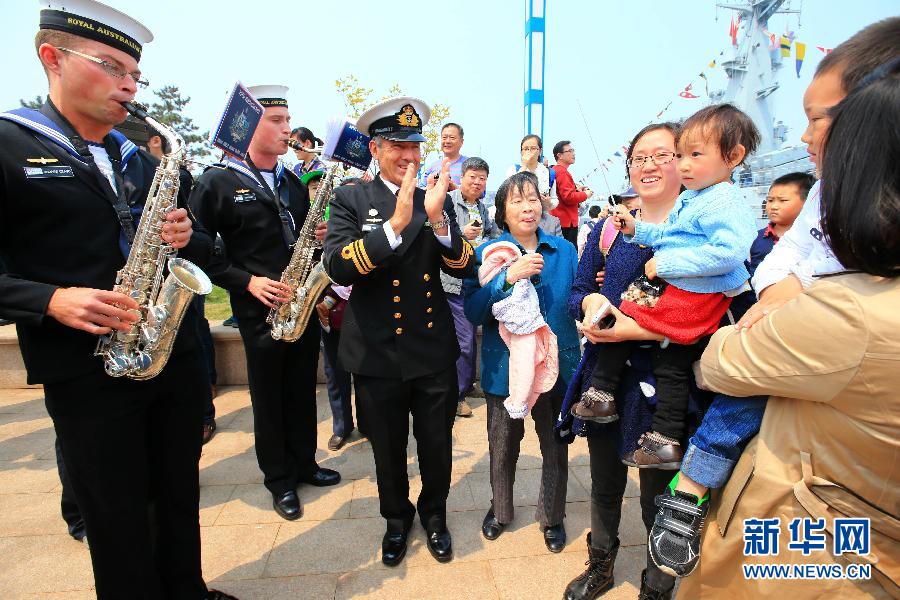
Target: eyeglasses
[
  {"x": 530, "y": 149},
  {"x": 110, "y": 68},
  {"x": 569, "y": 150},
  {"x": 660, "y": 158}
]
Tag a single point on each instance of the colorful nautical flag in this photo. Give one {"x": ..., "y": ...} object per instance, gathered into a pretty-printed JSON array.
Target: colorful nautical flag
[
  {"x": 733, "y": 30},
  {"x": 712, "y": 64},
  {"x": 800, "y": 54},
  {"x": 686, "y": 92},
  {"x": 824, "y": 50},
  {"x": 785, "y": 46},
  {"x": 617, "y": 153}
]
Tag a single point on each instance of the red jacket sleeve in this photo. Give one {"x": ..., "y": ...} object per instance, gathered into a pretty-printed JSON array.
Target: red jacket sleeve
[{"x": 565, "y": 188}]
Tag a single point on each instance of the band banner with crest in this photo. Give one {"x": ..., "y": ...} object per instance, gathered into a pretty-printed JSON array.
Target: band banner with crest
[
  {"x": 238, "y": 122},
  {"x": 346, "y": 144}
]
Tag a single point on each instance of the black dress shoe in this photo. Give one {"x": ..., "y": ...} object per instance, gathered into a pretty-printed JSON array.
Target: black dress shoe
[
  {"x": 209, "y": 428},
  {"x": 336, "y": 442},
  {"x": 322, "y": 477},
  {"x": 393, "y": 548},
  {"x": 287, "y": 505},
  {"x": 440, "y": 545},
  {"x": 555, "y": 538},
  {"x": 491, "y": 528},
  {"x": 217, "y": 595}
]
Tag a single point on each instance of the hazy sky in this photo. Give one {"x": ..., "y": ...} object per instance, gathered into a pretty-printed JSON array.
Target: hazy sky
[{"x": 623, "y": 61}]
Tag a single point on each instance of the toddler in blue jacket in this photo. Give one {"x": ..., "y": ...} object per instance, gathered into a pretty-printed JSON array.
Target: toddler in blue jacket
[{"x": 698, "y": 266}]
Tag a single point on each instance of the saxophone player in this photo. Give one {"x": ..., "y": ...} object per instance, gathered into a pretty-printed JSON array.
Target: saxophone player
[
  {"x": 71, "y": 188},
  {"x": 257, "y": 206}
]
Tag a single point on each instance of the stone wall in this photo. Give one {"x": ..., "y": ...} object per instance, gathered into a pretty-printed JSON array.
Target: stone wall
[{"x": 231, "y": 365}]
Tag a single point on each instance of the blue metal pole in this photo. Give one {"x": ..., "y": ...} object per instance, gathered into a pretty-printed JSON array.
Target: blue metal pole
[{"x": 535, "y": 46}]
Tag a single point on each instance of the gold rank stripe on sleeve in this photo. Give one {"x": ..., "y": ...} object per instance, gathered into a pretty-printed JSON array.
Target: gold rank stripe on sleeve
[
  {"x": 356, "y": 252},
  {"x": 463, "y": 260},
  {"x": 363, "y": 255}
]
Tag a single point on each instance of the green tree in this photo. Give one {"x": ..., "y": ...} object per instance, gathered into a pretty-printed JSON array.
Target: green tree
[
  {"x": 35, "y": 104},
  {"x": 169, "y": 109},
  {"x": 358, "y": 99}
]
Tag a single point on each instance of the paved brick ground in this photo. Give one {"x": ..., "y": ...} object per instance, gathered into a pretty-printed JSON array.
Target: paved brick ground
[{"x": 330, "y": 553}]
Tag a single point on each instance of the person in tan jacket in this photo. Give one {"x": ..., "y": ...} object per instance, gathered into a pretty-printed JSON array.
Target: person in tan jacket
[{"x": 828, "y": 447}]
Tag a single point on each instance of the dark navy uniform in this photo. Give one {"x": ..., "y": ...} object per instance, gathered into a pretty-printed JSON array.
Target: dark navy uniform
[
  {"x": 230, "y": 201},
  {"x": 123, "y": 440},
  {"x": 398, "y": 339}
]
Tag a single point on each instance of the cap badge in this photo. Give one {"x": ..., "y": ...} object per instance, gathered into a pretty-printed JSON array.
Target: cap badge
[{"x": 408, "y": 117}]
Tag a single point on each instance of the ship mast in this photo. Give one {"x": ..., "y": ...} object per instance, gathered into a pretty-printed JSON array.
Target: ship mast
[{"x": 753, "y": 72}]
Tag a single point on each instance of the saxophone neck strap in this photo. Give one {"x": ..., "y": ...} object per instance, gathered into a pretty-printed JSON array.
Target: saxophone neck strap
[
  {"x": 282, "y": 201},
  {"x": 116, "y": 146}
]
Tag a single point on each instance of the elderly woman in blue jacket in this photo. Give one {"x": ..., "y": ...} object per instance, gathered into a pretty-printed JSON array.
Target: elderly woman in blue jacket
[{"x": 550, "y": 262}]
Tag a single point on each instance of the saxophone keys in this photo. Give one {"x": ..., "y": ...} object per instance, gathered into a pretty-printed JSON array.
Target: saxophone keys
[
  {"x": 157, "y": 314},
  {"x": 149, "y": 334}
]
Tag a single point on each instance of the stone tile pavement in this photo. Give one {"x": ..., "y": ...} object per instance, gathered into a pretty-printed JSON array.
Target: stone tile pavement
[{"x": 332, "y": 552}]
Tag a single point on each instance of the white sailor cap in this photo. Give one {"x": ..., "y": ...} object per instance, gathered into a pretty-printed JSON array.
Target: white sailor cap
[
  {"x": 95, "y": 21},
  {"x": 399, "y": 119},
  {"x": 270, "y": 95}
]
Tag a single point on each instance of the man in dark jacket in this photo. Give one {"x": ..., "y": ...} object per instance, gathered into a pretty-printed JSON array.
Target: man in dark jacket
[
  {"x": 390, "y": 240},
  {"x": 258, "y": 206},
  {"x": 70, "y": 189}
]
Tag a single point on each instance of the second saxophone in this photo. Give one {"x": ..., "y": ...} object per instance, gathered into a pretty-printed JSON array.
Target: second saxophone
[{"x": 304, "y": 275}]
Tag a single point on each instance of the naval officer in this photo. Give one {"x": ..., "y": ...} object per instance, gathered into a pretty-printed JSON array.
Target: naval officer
[{"x": 390, "y": 240}]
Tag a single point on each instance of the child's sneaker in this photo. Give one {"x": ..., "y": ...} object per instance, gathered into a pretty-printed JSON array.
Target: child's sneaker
[
  {"x": 656, "y": 451},
  {"x": 674, "y": 541},
  {"x": 597, "y": 406}
]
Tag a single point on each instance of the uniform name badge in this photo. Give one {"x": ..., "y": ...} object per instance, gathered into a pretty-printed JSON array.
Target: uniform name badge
[
  {"x": 48, "y": 172},
  {"x": 244, "y": 196}
]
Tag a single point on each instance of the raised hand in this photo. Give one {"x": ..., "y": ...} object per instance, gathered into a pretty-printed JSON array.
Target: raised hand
[
  {"x": 434, "y": 197},
  {"x": 404, "y": 206},
  {"x": 623, "y": 220}
]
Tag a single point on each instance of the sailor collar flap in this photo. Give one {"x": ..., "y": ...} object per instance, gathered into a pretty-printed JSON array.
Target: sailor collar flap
[
  {"x": 245, "y": 170},
  {"x": 40, "y": 124}
]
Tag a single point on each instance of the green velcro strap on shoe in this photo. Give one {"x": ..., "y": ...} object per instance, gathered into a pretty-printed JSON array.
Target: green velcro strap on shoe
[{"x": 674, "y": 483}]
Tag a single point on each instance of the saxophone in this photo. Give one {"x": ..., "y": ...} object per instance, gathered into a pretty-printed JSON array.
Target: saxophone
[
  {"x": 305, "y": 277},
  {"x": 143, "y": 350}
]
